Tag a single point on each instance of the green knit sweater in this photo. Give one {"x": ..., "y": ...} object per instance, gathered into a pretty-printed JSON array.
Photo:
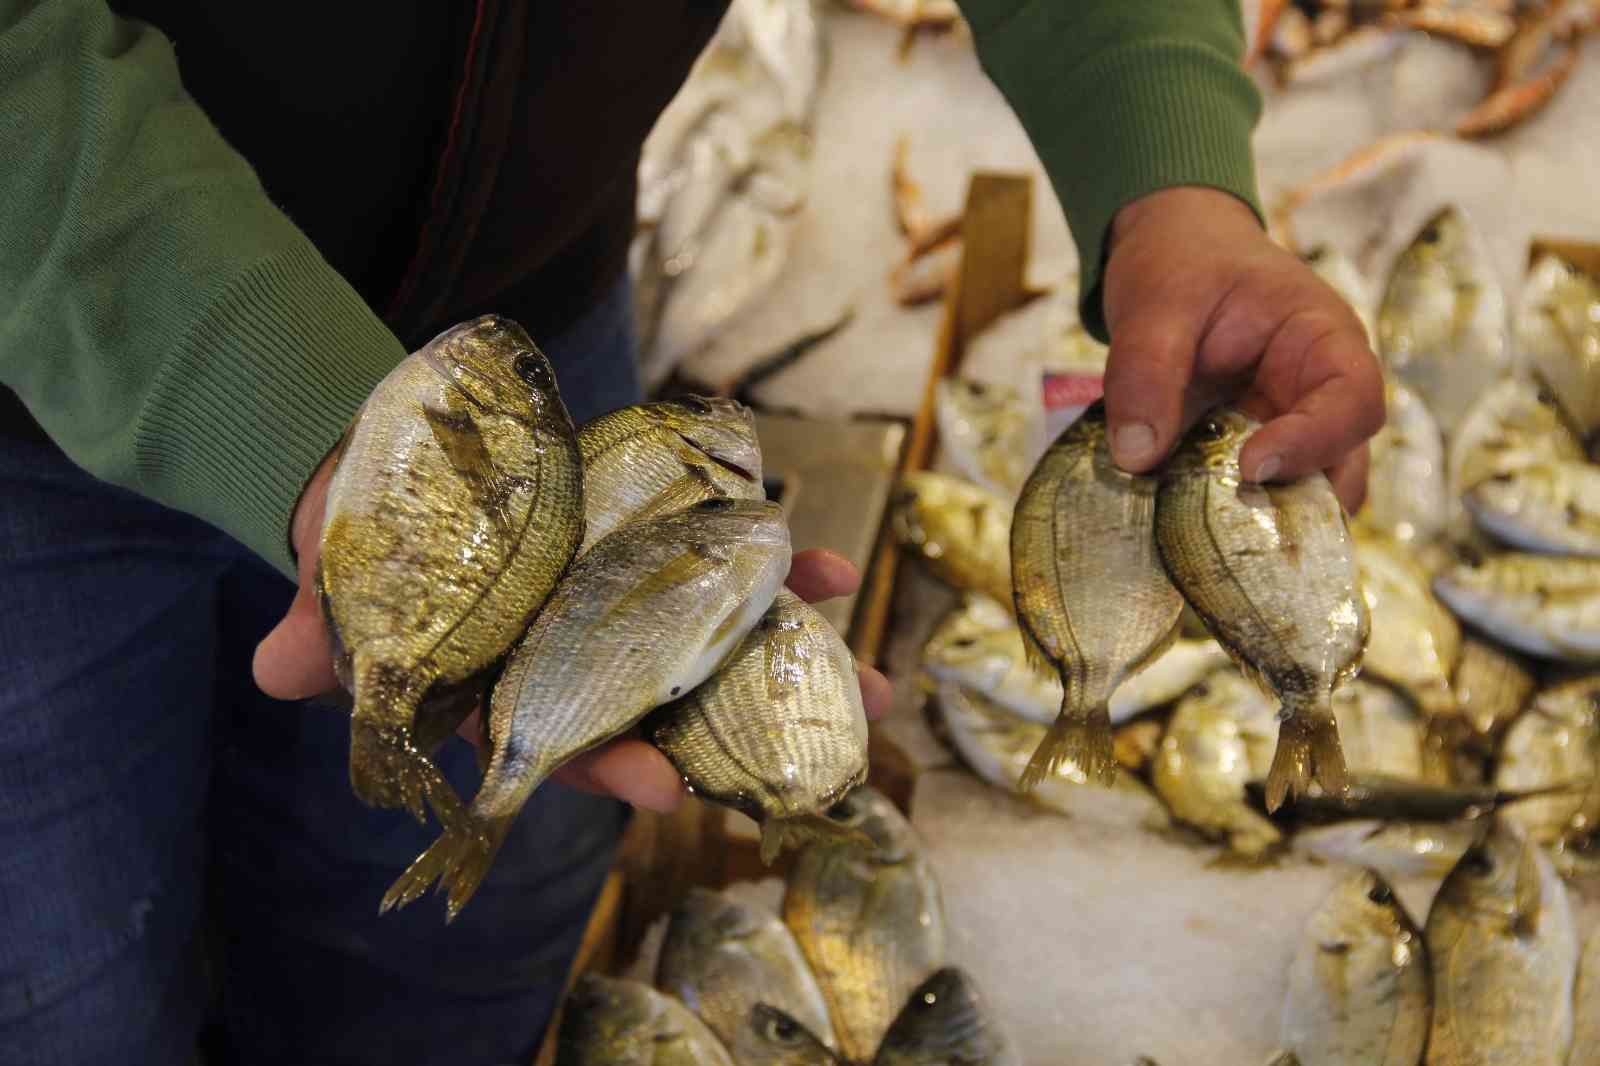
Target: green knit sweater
[{"x": 176, "y": 334}]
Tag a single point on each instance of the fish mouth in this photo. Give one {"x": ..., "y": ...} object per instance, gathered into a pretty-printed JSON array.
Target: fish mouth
[{"x": 726, "y": 464}]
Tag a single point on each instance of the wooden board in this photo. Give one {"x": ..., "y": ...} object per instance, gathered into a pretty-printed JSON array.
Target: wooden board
[{"x": 1584, "y": 254}]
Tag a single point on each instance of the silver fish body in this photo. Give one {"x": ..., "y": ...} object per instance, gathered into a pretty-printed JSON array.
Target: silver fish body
[
  {"x": 1414, "y": 641},
  {"x": 1515, "y": 424},
  {"x": 607, "y": 1022},
  {"x": 945, "y": 1021},
  {"x": 1558, "y": 326},
  {"x": 1555, "y": 744},
  {"x": 960, "y": 531},
  {"x": 1546, "y": 606},
  {"x": 1407, "y": 491},
  {"x": 1552, "y": 508},
  {"x": 986, "y": 431}
]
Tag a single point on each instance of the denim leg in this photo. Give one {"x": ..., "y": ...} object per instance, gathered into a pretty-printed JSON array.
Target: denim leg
[{"x": 106, "y": 643}]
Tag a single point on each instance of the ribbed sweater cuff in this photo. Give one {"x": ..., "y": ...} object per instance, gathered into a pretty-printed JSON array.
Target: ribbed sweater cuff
[{"x": 257, "y": 392}]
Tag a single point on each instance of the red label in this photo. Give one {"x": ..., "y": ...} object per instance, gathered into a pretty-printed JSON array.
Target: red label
[{"x": 1071, "y": 390}]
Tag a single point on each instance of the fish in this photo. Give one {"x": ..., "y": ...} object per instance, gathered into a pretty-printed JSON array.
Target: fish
[
  {"x": 1395, "y": 849},
  {"x": 455, "y": 503},
  {"x": 1380, "y": 730},
  {"x": 1091, "y": 595},
  {"x": 945, "y": 1022},
  {"x": 1552, "y": 508},
  {"x": 979, "y": 645},
  {"x": 997, "y": 745},
  {"x": 986, "y": 433},
  {"x": 1586, "y": 1006},
  {"x": 1504, "y": 955},
  {"x": 1555, "y": 743},
  {"x": 1404, "y": 800},
  {"x": 640, "y": 619},
  {"x": 611, "y": 1022},
  {"x": 1516, "y": 424},
  {"x": 1491, "y": 685},
  {"x": 1136, "y": 743},
  {"x": 1407, "y": 493},
  {"x": 1415, "y": 642},
  {"x": 1546, "y": 606},
  {"x": 1272, "y": 571},
  {"x": 1441, "y": 322},
  {"x": 870, "y": 921},
  {"x": 1558, "y": 327},
  {"x": 960, "y": 531},
  {"x": 779, "y": 732},
  {"x": 653, "y": 459},
  {"x": 724, "y": 959},
  {"x": 1359, "y": 985},
  {"x": 1220, "y": 736}
]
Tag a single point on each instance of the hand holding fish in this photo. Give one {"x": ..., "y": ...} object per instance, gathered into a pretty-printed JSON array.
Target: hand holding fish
[
  {"x": 295, "y": 661},
  {"x": 1203, "y": 308}
]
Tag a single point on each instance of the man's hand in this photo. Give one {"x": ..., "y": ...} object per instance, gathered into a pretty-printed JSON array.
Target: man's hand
[
  {"x": 295, "y": 661},
  {"x": 1203, "y": 309}
]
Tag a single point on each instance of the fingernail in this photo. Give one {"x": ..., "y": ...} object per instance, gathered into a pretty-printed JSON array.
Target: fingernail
[
  {"x": 1268, "y": 468},
  {"x": 1132, "y": 444}
]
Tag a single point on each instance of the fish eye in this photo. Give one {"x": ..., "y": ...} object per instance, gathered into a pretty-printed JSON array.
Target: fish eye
[
  {"x": 964, "y": 642},
  {"x": 842, "y": 811},
  {"x": 1547, "y": 397},
  {"x": 1213, "y": 429},
  {"x": 780, "y": 1028},
  {"x": 696, "y": 404},
  {"x": 715, "y": 504},
  {"x": 1380, "y": 894},
  {"x": 531, "y": 369},
  {"x": 1477, "y": 861},
  {"x": 1430, "y": 234}
]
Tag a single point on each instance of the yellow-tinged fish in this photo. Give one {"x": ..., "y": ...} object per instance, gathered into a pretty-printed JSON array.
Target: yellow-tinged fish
[
  {"x": 724, "y": 960},
  {"x": 1558, "y": 326},
  {"x": 1514, "y": 425},
  {"x": 986, "y": 431},
  {"x": 1441, "y": 326},
  {"x": 1407, "y": 495},
  {"x": 779, "y": 732},
  {"x": 1556, "y": 743},
  {"x": 641, "y": 618},
  {"x": 1091, "y": 595},
  {"x": 1552, "y": 508},
  {"x": 1415, "y": 642},
  {"x": 869, "y": 920},
  {"x": 1586, "y": 1007},
  {"x": 1272, "y": 570},
  {"x": 1547, "y": 606},
  {"x": 1220, "y": 737},
  {"x": 960, "y": 531},
  {"x": 1379, "y": 730},
  {"x": 610, "y": 1022},
  {"x": 455, "y": 505},
  {"x": 1491, "y": 685},
  {"x": 656, "y": 458},
  {"x": 1504, "y": 953},
  {"x": 946, "y": 1023},
  {"x": 1359, "y": 986}
]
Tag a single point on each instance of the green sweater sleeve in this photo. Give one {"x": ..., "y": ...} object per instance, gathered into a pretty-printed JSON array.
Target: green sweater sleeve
[
  {"x": 167, "y": 325},
  {"x": 1120, "y": 98}
]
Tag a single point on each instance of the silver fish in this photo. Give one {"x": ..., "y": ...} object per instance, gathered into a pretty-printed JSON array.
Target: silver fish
[
  {"x": 643, "y": 617},
  {"x": 1395, "y": 849},
  {"x": 1359, "y": 985},
  {"x": 1415, "y": 642},
  {"x": 1556, "y": 743},
  {"x": 607, "y": 1022},
  {"x": 986, "y": 431},
  {"x": 1491, "y": 685},
  {"x": 1552, "y": 508},
  {"x": 962, "y": 533},
  {"x": 723, "y": 958},
  {"x": 1380, "y": 731},
  {"x": 1407, "y": 495},
  {"x": 944, "y": 1022},
  {"x": 1547, "y": 606},
  {"x": 1515, "y": 424},
  {"x": 1558, "y": 326}
]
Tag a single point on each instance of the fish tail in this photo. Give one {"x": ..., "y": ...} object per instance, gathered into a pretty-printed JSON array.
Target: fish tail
[
  {"x": 1284, "y": 1058},
  {"x": 1308, "y": 750},
  {"x": 1080, "y": 740},
  {"x": 459, "y": 860},
  {"x": 801, "y": 830},
  {"x": 387, "y": 770}
]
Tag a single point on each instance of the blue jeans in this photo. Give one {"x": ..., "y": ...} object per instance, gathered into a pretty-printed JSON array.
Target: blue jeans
[{"x": 175, "y": 847}]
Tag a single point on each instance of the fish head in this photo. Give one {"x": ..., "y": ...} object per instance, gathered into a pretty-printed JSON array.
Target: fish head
[
  {"x": 1365, "y": 907},
  {"x": 492, "y": 364},
  {"x": 976, "y": 399},
  {"x": 722, "y": 429},
  {"x": 774, "y": 1038},
  {"x": 757, "y": 524},
  {"x": 1497, "y": 877},
  {"x": 1212, "y": 445},
  {"x": 604, "y": 1018},
  {"x": 872, "y": 814},
  {"x": 929, "y": 511},
  {"x": 942, "y": 1021},
  {"x": 1441, "y": 240},
  {"x": 705, "y": 919},
  {"x": 976, "y": 642}
]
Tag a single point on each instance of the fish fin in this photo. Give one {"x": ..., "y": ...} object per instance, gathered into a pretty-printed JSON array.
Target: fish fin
[
  {"x": 682, "y": 494},
  {"x": 1079, "y": 740},
  {"x": 1033, "y": 652},
  {"x": 388, "y": 771},
  {"x": 1529, "y": 895},
  {"x": 1308, "y": 749},
  {"x": 807, "y": 829},
  {"x": 1284, "y": 1058},
  {"x": 459, "y": 437},
  {"x": 459, "y": 860}
]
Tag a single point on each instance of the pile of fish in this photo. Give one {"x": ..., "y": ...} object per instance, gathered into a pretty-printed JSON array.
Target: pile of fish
[
  {"x": 722, "y": 176},
  {"x": 1532, "y": 45},
  {"x": 855, "y": 970},
  {"x": 577, "y": 583},
  {"x": 1474, "y": 563}
]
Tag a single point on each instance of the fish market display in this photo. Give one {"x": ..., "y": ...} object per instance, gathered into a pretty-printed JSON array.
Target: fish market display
[
  {"x": 455, "y": 505},
  {"x": 1491, "y": 686},
  {"x": 1415, "y": 642},
  {"x": 610, "y": 1022},
  {"x": 870, "y": 921},
  {"x": 641, "y": 618},
  {"x": 1272, "y": 571},
  {"x": 1558, "y": 327},
  {"x": 1514, "y": 425},
  {"x": 1089, "y": 588},
  {"x": 1556, "y": 744},
  {"x": 779, "y": 733},
  {"x": 1220, "y": 737},
  {"x": 1441, "y": 327},
  {"x": 1407, "y": 497},
  {"x": 1359, "y": 986},
  {"x": 1553, "y": 508},
  {"x": 1379, "y": 730},
  {"x": 997, "y": 745},
  {"x": 959, "y": 531},
  {"x": 944, "y": 1023},
  {"x": 725, "y": 960},
  {"x": 1504, "y": 953},
  {"x": 986, "y": 431},
  {"x": 1547, "y": 606},
  {"x": 657, "y": 458}
]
